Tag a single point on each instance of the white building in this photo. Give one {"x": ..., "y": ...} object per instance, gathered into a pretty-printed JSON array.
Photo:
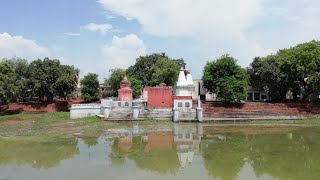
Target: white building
[{"x": 184, "y": 91}]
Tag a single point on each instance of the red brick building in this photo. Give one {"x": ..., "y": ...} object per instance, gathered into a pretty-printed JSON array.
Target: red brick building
[{"x": 159, "y": 97}]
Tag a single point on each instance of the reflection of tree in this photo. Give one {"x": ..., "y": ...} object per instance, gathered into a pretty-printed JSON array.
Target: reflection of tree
[
  {"x": 161, "y": 161},
  {"x": 284, "y": 158},
  {"x": 90, "y": 141},
  {"x": 43, "y": 154},
  {"x": 224, "y": 159},
  {"x": 117, "y": 156}
]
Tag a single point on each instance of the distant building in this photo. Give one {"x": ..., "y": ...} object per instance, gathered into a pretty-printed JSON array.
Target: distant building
[{"x": 253, "y": 94}]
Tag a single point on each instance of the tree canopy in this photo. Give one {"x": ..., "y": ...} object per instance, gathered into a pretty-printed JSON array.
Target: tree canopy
[
  {"x": 156, "y": 68},
  {"x": 296, "y": 69},
  {"x": 115, "y": 79},
  {"x": 90, "y": 87},
  {"x": 225, "y": 78},
  {"x": 8, "y": 86}
]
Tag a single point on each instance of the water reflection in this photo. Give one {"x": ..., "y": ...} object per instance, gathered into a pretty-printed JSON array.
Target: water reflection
[
  {"x": 179, "y": 151},
  {"x": 37, "y": 153}
]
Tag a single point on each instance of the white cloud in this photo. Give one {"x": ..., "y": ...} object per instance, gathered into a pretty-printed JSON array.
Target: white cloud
[
  {"x": 72, "y": 34},
  {"x": 123, "y": 51},
  {"x": 189, "y": 17},
  {"x": 102, "y": 28},
  {"x": 19, "y": 46}
]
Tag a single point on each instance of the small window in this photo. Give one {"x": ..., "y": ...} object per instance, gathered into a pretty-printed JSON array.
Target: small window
[
  {"x": 179, "y": 104},
  {"x": 249, "y": 97},
  {"x": 119, "y": 104},
  {"x": 257, "y": 96},
  {"x": 188, "y": 136},
  {"x": 126, "y": 104},
  {"x": 187, "y": 104},
  {"x": 264, "y": 97}
]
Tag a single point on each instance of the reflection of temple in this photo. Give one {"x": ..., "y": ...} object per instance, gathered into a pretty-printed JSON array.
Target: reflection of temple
[{"x": 176, "y": 146}]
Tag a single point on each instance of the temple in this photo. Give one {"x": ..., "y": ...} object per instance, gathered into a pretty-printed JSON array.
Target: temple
[
  {"x": 159, "y": 102},
  {"x": 183, "y": 92},
  {"x": 125, "y": 91}
]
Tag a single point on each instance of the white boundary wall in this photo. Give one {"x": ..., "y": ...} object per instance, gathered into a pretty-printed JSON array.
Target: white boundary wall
[{"x": 84, "y": 110}]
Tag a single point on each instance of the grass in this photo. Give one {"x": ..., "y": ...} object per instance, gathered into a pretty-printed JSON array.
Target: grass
[{"x": 55, "y": 124}]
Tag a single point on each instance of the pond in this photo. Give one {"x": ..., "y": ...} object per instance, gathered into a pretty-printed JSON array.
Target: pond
[{"x": 169, "y": 151}]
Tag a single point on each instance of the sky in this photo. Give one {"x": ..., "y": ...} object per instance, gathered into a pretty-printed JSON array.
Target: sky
[{"x": 99, "y": 35}]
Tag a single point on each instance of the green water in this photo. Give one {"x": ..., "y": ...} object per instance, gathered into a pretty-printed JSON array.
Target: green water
[{"x": 187, "y": 151}]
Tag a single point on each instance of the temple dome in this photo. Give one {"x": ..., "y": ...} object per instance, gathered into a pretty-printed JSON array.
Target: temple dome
[{"x": 125, "y": 83}]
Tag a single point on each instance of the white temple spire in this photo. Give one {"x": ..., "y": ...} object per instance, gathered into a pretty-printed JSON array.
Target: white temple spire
[
  {"x": 189, "y": 79},
  {"x": 182, "y": 81}
]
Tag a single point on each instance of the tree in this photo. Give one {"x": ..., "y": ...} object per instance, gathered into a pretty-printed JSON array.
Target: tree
[
  {"x": 20, "y": 67},
  {"x": 166, "y": 71},
  {"x": 265, "y": 74},
  {"x": 114, "y": 81},
  {"x": 151, "y": 69},
  {"x": 90, "y": 87},
  {"x": 298, "y": 64},
  {"x": 44, "y": 75},
  {"x": 66, "y": 84},
  {"x": 136, "y": 86},
  {"x": 225, "y": 78},
  {"x": 8, "y": 86},
  {"x": 48, "y": 78}
]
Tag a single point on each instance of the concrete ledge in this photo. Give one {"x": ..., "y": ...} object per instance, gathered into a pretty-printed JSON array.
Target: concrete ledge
[{"x": 253, "y": 118}]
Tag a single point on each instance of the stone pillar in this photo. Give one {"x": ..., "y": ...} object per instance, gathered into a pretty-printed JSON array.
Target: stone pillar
[
  {"x": 135, "y": 110},
  {"x": 175, "y": 115},
  {"x": 200, "y": 130},
  {"x": 106, "y": 110},
  {"x": 200, "y": 114}
]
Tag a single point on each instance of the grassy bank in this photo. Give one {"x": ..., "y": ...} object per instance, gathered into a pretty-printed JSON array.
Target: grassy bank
[{"x": 57, "y": 124}]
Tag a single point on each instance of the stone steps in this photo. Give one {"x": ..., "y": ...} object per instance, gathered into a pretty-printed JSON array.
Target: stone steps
[
  {"x": 156, "y": 114},
  {"x": 121, "y": 114}
]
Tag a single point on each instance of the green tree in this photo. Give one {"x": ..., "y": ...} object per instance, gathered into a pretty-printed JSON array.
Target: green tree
[
  {"x": 20, "y": 67},
  {"x": 114, "y": 81},
  {"x": 8, "y": 86},
  {"x": 90, "y": 87},
  {"x": 44, "y": 75},
  {"x": 166, "y": 71},
  {"x": 151, "y": 69},
  {"x": 295, "y": 68},
  {"x": 225, "y": 78},
  {"x": 265, "y": 74},
  {"x": 66, "y": 84},
  {"x": 136, "y": 86}
]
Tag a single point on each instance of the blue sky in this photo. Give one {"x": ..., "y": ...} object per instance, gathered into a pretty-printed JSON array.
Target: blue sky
[{"x": 98, "y": 35}]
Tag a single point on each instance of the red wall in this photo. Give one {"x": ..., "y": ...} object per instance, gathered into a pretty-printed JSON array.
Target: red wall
[
  {"x": 257, "y": 108},
  {"x": 159, "y": 97}
]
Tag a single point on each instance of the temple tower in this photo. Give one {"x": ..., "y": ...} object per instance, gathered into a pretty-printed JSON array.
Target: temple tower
[
  {"x": 183, "y": 91},
  {"x": 125, "y": 91}
]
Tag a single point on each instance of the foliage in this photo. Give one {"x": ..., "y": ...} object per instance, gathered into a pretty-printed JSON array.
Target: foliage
[
  {"x": 136, "y": 86},
  {"x": 227, "y": 79},
  {"x": 66, "y": 84},
  {"x": 20, "y": 67},
  {"x": 8, "y": 86},
  {"x": 295, "y": 68},
  {"x": 265, "y": 74},
  {"x": 154, "y": 68},
  {"x": 48, "y": 78},
  {"x": 90, "y": 87},
  {"x": 114, "y": 81}
]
